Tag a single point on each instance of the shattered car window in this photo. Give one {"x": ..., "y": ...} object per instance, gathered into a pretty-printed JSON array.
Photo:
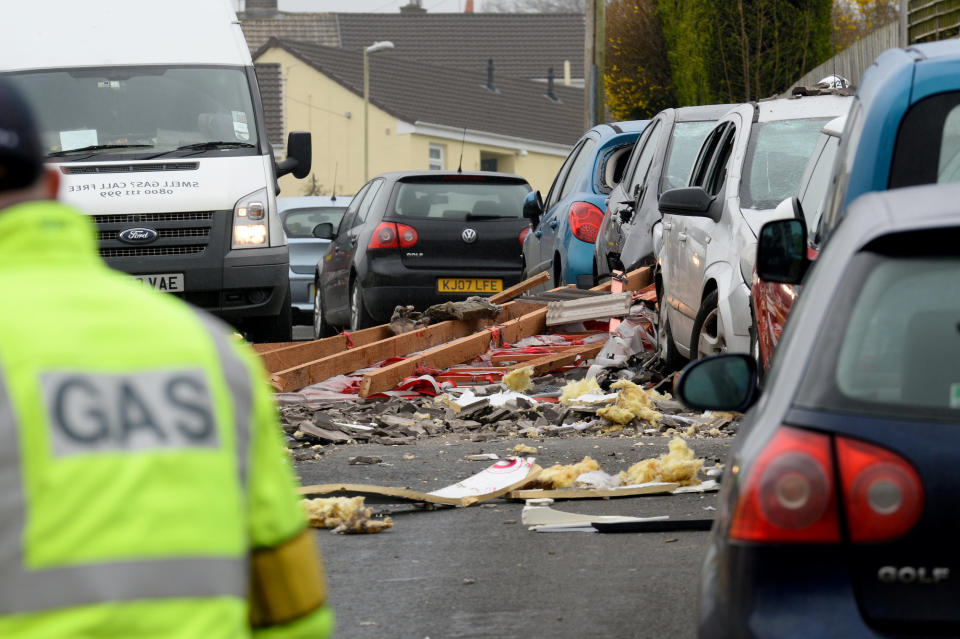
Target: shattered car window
[
  {"x": 687, "y": 139},
  {"x": 776, "y": 158}
]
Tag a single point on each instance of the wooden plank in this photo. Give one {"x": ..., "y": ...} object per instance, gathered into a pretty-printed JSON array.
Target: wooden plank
[
  {"x": 546, "y": 363},
  {"x": 653, "y": 488},
  {"x": 299, "y": 353},
  {"x": 518, "y": 289},
  {"x": 466, "y": 348}
]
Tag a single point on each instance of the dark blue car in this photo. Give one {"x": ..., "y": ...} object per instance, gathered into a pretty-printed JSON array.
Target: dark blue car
[
  {"x": 839, "y": 508},
  {"x": 903, "y": 128},
  {"x": 565, "y": 226}
]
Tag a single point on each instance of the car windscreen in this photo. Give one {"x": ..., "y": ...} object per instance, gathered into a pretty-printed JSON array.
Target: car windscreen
[
  {"x": 776, "y": 158},
  {"x": 684, "y": 145},
  {"x": 890, "y": 345},
  {"x": 460, "y": 200},
  {"x": 301, "y": 222},
  {"x": 139, "y": 112}
]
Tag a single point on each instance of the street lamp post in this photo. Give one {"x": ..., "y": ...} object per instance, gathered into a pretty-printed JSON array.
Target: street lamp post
[{"x": 373, "y": 48}]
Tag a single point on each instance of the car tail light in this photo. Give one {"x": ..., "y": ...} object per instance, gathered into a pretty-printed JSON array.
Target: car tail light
[
  {"x": 407, "y": 234},
  {"x": 788, "y": 495},
  {"x": 883, "y": 493},
  {"x": 523, "y": 234},
  {"x": 585, "y": 220},
  {"x": 384, "y": 236}
]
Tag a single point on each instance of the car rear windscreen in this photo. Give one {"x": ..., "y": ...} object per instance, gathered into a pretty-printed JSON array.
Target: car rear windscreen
[
  {"x": 460, "y": 200},
  {"x": 892, "y": 343},
  {"x": 776, "y": 158},
  {"x": 301, "y": 222}
]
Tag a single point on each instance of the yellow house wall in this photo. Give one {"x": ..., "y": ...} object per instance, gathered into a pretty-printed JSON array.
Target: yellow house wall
[{"x": 334, "y": 116}]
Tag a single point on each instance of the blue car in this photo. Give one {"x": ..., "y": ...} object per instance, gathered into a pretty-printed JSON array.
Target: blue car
[
  {"x": 837, "y": 515},
  {"x": 903, "y": 128},
  {"x": 565, "y": 226}
]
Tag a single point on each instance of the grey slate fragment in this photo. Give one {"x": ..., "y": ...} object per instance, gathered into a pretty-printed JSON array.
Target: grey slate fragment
[
  {"x": 361, "y": 460},
  {"x": 334, "y": 436}
]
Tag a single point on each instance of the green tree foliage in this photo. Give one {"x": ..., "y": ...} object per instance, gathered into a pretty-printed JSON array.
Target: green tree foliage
[
  {"x": 638, "y": 80},
  {"x": 688, "y": 33}
]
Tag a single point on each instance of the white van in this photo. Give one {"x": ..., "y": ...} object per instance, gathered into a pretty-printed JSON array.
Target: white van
[{"x": 152, "y": 114}]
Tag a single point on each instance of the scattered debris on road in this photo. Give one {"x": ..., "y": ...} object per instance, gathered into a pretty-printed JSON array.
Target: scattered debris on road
[{"x": 345, "y": 515}]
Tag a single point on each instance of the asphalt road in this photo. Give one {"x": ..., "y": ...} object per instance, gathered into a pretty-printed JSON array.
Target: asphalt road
[{"x": 478, "y": 572}]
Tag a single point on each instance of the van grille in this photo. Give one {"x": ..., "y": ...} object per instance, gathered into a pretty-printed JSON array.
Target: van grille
[
  {"x": 129, "y": 168},
  {"x": 162, "y": 233},
  {"x": 192, "y": 249},
  {"x": 136, "y": 218}
]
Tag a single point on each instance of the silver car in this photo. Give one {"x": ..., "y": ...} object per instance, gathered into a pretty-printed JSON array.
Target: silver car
[
  {"x": 752, "y": 159},
  {"x": 300, "y": 216}
]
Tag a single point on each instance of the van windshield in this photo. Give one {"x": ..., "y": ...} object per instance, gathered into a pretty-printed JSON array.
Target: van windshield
[{"x": 141, "y": 112}]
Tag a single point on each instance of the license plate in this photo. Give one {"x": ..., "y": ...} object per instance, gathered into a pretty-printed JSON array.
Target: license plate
[
  {"x": 170, "y": 282},
  {"x": 469, "y": 285}
]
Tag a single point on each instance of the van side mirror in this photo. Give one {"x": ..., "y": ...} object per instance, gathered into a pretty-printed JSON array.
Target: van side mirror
[
  {"x": 323, "y": 231},
  {"x": 299, "y": 155},
  {"x": 721, "y": 382},
  {"x": 688, "y": 200},
  {"x": 533, "y": 207},
  {"x": 782, "y": 251}
]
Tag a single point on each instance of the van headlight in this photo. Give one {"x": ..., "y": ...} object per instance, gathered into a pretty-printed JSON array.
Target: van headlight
[{"x": 250, "y": 221}]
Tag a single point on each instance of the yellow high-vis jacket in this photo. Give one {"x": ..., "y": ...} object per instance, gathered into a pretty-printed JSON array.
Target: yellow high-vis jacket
[{"x": 144, "y": 489}]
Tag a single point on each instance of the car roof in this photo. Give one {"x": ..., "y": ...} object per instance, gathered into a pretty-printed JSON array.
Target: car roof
[
  {"x": 626, "y": 126},
  {"x": 796, "y": 108},
  {"x": 400, "y": 175},
  {"x": 303, "y": 201},
  {"x": 706, "y": 112},
  {"x": 914, "y": 208}
]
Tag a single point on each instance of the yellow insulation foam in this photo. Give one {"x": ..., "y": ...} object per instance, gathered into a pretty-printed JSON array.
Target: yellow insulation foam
[
  {"x": 576, "y": 388},
  {"x": 523, "y": 449},
  {"x": 519, "y": 380},
  {"x": 678, "y": 465},
  {"x": 343, "y": 514},
  {"x": 632, "y": 402},
  {"x": 561, "y": 476}
]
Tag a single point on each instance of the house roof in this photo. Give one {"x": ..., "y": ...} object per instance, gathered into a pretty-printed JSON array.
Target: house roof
[
  {"x": 420, "y": 93},
  {"x": 271, "y": 89},
  {"x": 522, "y": 45}
]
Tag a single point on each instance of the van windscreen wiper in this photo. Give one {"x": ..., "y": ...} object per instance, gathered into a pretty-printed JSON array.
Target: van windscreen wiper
[
  {"x": 97, "y": 147},
  {"x": 206, "y": 146}
]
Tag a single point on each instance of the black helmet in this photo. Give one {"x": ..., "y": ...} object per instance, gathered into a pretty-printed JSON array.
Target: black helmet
[{"x": 21, "y": 156}]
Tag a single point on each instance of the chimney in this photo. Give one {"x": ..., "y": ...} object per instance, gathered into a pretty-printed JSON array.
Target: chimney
[
  {"x": 469, "y": 7},
  {"x": 490, "y": 85},
  {"x": 412, "y": 8},
  {"x": 260, "y": 7},
  {"x": 551, "y": 94}
]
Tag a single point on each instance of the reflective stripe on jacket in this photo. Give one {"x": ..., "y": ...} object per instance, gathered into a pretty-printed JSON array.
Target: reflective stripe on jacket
[{"x": 140, "y": 458}]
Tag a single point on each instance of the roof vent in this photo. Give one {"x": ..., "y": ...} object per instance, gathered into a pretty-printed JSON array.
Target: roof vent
[
  {"x": 490, "y": 85},
  {"x": 551, "y": 94}
]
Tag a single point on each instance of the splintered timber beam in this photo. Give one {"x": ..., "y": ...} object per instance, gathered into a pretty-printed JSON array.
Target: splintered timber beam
[
  {"x": 466, "y": 348},
  {"x": 552, "y": 361},
  {"x": 519, "y": 289},
  {"x": 294, "y": 354},
  {"x": 345, "y": 361}
]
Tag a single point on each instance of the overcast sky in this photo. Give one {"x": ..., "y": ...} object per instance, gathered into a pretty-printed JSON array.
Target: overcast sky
[{"x": 372, "y": 6}]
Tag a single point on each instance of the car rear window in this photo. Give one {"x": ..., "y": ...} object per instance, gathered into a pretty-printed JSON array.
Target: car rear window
[
  {"x": 460, "y": 200},
  {"x": 776, "y": 158},
  {"x": 687, "y": 139},
  {"x": 301, "y": 222},
  {"x": 891, "y": 345}
]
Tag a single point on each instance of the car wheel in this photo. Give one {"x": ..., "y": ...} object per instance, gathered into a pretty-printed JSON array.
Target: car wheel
[
  {"x": 707, "y": 338},
  {"x": 359, "y": 317},
  {"x": 666, "y": 349},
  {"x": 320, "y": 326}
]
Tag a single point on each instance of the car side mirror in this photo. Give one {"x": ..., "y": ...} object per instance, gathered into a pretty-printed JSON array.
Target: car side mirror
[
  {"x": 533, "y": 207},
  {"x": 324, "y": 231},
  {"x": 688, "y": 200},
  {"x": 722, "y": 382},
  {"x": 299, "y": 155},
  {"x": 782, "y": 251}
]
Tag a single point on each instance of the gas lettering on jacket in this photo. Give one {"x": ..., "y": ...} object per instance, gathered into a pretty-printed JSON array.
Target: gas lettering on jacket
[{"x": 147, "y": 410}]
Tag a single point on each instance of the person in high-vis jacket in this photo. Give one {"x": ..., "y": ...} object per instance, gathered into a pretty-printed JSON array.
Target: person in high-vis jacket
[{"x": 144, "y": 490}]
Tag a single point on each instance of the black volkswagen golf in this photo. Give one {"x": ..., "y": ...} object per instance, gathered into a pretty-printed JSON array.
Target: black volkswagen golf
[{"x": 419, "y": 238}]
